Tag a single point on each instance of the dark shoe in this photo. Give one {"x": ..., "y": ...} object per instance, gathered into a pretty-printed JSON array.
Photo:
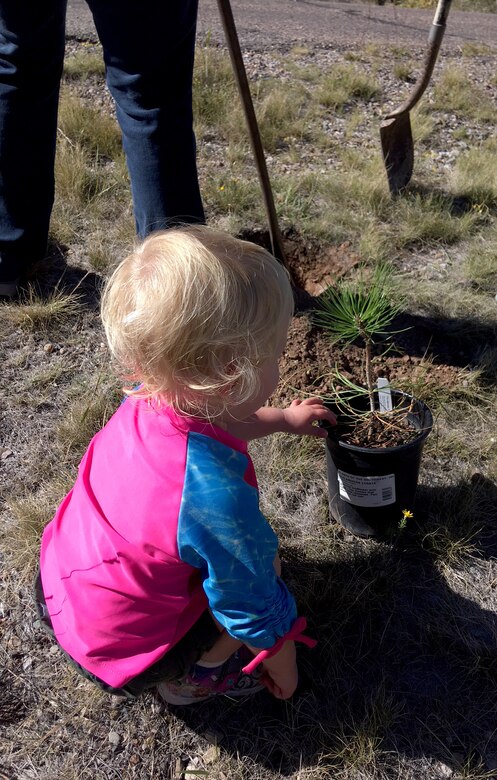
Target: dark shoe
[{"x": 8, "y": 290}]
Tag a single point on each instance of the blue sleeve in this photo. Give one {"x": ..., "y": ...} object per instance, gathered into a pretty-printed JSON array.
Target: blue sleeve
[{"x": 222, "y": 532}]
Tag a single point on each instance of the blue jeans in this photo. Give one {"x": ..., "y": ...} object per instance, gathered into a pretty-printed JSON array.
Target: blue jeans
[{"x": 148, "y": 51}]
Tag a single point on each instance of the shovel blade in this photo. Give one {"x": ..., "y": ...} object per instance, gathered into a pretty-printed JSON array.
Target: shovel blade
[{"x": 398, "y": 151}]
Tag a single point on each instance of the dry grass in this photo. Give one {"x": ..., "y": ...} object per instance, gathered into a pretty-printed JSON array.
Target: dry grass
[
  {"x": 41, "y": 313},
  {"x": 402, "y": 682},
  {"x": 94, "y": 131},
  {"x": 455, "y": 92},
  {"x": 484, "y": 6},
  {"x": 84, "y": 63},
  {"x": 475, "y": 178},
  {"x": 403, "y": 71},
  {"x": 481, "y": 263},
  {"x": 345, "y": 83},
  {"x": 30, "y": 513},
  {"x": 86, "y": 415}
]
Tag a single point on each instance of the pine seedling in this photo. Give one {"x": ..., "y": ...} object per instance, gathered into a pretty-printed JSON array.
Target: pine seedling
[{"x": 362, "y": 311}]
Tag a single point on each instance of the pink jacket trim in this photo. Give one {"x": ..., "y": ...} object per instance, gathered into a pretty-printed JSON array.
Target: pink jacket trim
[{"x": 294, "y": 634}]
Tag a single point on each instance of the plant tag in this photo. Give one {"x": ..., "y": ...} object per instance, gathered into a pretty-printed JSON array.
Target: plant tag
[
  {"x": 384, "y": 394},
  {"x": 367, "y": 491}
]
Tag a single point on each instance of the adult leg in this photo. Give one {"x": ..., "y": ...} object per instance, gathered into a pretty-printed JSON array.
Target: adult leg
[
  {"x": 149, "y": 51},
  {"x": 31, "y": 59}
]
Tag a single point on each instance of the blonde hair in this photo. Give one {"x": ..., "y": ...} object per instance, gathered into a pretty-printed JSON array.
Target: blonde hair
[{"x": 192, "y": 314}]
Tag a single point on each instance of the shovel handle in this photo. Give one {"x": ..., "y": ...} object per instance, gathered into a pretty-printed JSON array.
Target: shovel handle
[
  {"x": 442, "y": 12},
  {"x": 253, "y": 128},
  {"x": 435, "y": 37}
]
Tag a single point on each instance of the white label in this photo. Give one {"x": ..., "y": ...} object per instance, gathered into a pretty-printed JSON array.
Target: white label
[
  {"x": 367, "y": 491},
  {"x": 384, "y": 394}
]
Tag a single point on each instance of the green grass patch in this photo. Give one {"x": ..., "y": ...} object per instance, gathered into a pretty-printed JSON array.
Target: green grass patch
[
  {"x": 214, "y": 89},
  {"x": 475, "y": 49},
  {"x": 354, "y": 204},
  {"x": 234, "y": 195},
  {"x": 429, "y": 219},
  {"x": 344, "y": 84},
  {"x": 95, "y": 132},
  {"x": 91, "y": 178},
  {"x": 459, "y": 302},
  {"x": 481, "y": 262},
  {"x": 422, "y": 125},
  {"x": 475, "y": 177},
  {"x": 281, "y": 114},
  {"x": 81, "y": 180},
  {"x": 83, "y": 64},
  {"x": 403, "y": 71},
  {"x": 457, "y": 523},
  {"x": 455, "y": 92}
]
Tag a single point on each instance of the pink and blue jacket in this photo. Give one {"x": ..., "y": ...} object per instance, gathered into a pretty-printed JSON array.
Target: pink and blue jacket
[{"x": 163, "y": 521}]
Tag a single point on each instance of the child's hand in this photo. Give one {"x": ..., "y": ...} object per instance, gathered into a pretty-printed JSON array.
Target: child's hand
[
  {"x": 301, "y": 416},
  {"x": 283, "y": 688},
  {"x": 280, "y": 672}
]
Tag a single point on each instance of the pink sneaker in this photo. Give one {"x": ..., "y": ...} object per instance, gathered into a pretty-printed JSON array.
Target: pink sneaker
[{"x": 203, "y": 683}]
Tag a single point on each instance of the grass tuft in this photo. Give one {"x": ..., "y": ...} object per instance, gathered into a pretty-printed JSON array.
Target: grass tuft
[
  {"x": 344, "y": 84},
  {"x": 362, "y": 741},
  {"x": 82, "y": 125},
  {"x": 403, "y": 71},
  {"x": 35, "y": 312},
  {"x": 30, "y": 513},
  {"x": 83, "y": 64},
  {"x": 281, "y": 115},
  {"x": 475, "y": 177},
  {"x": 455, "y": 92},
  {"x": 85, "y": 417},
  {"x": 214, "y": 89},
  {"x": 481, "y": 263},
  {"x": 430, "y": 219}
]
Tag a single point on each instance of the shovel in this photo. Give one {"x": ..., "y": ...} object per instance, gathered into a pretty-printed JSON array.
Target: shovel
[
  {"x": 395, "y": 131},
  {"x": 253, "y": 128}
]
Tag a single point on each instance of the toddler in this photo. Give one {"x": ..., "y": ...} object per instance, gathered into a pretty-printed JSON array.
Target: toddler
[{"x": 158, "y": 568}]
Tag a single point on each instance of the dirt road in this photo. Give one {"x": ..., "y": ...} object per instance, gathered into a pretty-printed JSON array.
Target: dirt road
[{"x": 264, "y": 24}]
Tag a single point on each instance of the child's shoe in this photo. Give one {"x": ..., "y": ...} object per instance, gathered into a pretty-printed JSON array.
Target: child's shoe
[{"x": 204, "y": 682}]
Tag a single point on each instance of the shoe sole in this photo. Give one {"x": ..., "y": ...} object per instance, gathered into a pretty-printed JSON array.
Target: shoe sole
[
  {"x": 172, "y": 698},
  {"x": 237, "y": 693},
  {"x": 177, "y": 699}
]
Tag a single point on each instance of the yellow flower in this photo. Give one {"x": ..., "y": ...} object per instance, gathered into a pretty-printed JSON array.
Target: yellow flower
[
  {"x": 221, "y": 187},
  {"x": 407, "y": 514}
]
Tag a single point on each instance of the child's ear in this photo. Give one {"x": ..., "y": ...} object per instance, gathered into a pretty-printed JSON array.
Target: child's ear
[
  {"x": 234, "y": 369},
  {"x": 231, "y": 370}
]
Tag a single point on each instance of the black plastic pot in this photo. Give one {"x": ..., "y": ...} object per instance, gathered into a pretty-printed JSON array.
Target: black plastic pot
[{"x": 369, "y": 488}]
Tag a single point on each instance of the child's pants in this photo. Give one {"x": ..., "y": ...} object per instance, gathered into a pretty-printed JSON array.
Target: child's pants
[{"x": 173, "y": 666}]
